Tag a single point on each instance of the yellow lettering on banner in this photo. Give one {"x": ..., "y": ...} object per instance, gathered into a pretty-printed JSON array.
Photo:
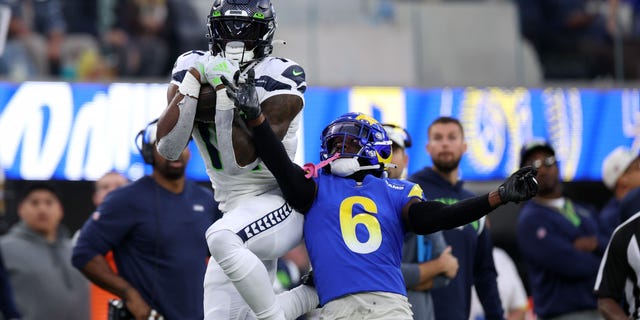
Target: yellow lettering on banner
[
  {"x": 493, "y": 116},
  {"x": 563, "y": 115},
  {"x": 389, "y": 101},
  {"x": 490, "y": 118}
]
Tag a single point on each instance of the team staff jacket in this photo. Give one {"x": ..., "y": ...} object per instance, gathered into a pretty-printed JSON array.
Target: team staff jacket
[
  {"x": 561, "y": 276},
  {"x": 158, "y": 243},
  {"x": 354, "y": 231},
  {"x": 472, "y": 245}
]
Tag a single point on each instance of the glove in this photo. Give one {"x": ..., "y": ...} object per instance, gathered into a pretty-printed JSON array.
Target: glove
[
  {"x": 520, "y": 186},
  {"x": 244, "y": 96},
  {"x": 213, "y": 68}
]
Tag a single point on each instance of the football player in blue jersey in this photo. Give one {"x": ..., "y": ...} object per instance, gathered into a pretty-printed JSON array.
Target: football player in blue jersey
[
  {"x": 258, "y": 226},
  {"x": 355, "y": 218}
]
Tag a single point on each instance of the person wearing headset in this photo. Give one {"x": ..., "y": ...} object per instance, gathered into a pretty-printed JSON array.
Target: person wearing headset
[
  {"x": 155, "y": 227},
  {"x": 427, "y": 261}
]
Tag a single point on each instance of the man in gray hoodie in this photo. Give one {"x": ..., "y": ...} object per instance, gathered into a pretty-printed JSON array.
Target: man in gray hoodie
[{"x": 37, "y": 256}]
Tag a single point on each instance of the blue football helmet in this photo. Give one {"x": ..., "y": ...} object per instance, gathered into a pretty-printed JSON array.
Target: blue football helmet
[
  {"x": 241, "y": 30},
  {"x": 375, "y": 146}
]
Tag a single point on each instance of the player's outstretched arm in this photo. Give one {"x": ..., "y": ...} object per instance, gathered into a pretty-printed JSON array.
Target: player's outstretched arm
[
  {"x": 424, "y": 217},
  {"x": 279, "y": 110},
  {"x": 296, "y": 188}
]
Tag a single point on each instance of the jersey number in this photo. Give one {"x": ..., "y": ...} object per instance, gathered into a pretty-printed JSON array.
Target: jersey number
[
  {"x": 213, "y": 152},
  {"x": 349, "y": 221}
]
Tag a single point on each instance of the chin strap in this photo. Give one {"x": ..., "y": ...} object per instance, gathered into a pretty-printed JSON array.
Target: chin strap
[
  {"x": 379, "y": 166},
  {"x": 245, "y": 70},
  {"x": 371, "y": 167}
]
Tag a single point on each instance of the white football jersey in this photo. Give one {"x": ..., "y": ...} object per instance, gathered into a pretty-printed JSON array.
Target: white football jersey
[{"x": 274, "y": 76}]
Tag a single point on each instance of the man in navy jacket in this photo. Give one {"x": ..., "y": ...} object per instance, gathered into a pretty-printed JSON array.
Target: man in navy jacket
[
  {"x": 471, "y": 244},
  {"x": 155, "y": 227},
  {"x": 559, "y": 242}
]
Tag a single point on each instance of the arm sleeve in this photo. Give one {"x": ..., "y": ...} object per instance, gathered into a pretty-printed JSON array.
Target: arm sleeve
[
  {"x": 485, "y": 277},
  {"x": 102, "y": 231},
  {"x": 411, "y": 274},
  {"x": 296, "y": 188},
  {"x": 429, "y": 216},
  {"x": 172, "y": 145}
]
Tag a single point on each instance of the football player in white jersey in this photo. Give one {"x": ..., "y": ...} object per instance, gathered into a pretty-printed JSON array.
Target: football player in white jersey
[{"x": 258, "y": 226}]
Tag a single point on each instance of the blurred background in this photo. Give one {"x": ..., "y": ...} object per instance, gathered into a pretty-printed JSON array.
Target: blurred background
[{"x": 79, "y": 79}]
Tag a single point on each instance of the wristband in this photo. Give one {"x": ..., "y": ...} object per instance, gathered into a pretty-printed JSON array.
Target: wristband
[{"x": 190, "y": 86}]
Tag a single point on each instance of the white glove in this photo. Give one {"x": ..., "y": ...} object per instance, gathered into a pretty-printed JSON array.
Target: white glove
[{"x": 212, "y": 68}]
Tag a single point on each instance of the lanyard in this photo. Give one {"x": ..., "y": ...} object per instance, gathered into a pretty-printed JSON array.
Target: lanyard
[
  {"x": 569, "y": 212},
  {"x": 424, "y": 248}
]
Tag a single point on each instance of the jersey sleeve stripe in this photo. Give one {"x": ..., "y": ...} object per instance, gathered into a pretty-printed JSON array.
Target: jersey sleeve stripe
[{"x": 178, "y": 76}]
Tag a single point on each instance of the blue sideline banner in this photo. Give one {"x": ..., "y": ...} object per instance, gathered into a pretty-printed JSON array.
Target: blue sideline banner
[{"x": 57, "y": 130}]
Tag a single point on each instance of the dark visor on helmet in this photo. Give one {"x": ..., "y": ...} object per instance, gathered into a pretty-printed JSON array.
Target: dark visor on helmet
[
  {"x": 352, "y": 129},
  {"x": 244, "y": 29}
]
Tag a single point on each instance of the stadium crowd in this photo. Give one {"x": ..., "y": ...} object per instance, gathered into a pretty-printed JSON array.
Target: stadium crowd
[{"x": 101, "y": 40}]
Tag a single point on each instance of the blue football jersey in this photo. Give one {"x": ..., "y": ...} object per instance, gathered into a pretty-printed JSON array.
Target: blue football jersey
[{"x": 354, "y": 234}]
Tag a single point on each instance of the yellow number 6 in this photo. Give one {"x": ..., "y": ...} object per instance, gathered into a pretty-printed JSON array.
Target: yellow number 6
[{"x": 349, "y": 221}]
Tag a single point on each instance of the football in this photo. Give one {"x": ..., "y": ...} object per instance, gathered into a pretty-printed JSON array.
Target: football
[{"x": 206, "y": 109}]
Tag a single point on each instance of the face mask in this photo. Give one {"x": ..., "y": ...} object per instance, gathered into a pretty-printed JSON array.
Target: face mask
[
  {"x": 345, "y": 167},
  {"x": 234, "y": 51}
]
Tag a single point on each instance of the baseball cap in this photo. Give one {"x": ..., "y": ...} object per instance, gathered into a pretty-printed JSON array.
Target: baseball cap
[
  {"x": 397, "y": 135},
  {"x": 534, "y": 145},
  {"x": 615, "y": 164}
]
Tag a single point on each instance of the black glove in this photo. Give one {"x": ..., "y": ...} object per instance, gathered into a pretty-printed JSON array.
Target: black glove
[
  {"x": 520, "y": 186},
  {"x": 244, "y": 96}
]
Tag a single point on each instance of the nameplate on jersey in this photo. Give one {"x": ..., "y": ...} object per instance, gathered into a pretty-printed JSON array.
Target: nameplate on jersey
[{"x": 267, "y": 221}]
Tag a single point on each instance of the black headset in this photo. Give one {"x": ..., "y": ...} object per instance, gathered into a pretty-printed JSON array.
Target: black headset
[{"x": 145, "y": 142}]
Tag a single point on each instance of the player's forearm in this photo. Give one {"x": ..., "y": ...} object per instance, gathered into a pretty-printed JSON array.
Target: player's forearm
[
  {"x": 430, "y": 269},
  {"x": 97, "y": 270},
  {"x": 176, "y": 122},
  {"x": 517, "y": 314},
  {"x": 296, "y": 188},
  {"x": 431, "y": 216}
]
